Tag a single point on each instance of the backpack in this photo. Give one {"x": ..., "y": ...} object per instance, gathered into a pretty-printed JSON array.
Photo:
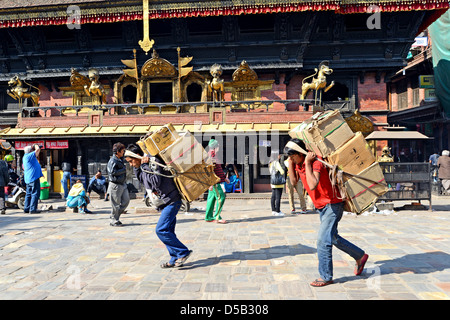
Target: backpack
[{"x": 276, "y": 178}]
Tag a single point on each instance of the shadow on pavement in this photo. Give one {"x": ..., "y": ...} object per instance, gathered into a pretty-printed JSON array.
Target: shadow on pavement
[{"x": 259, "y": 254}]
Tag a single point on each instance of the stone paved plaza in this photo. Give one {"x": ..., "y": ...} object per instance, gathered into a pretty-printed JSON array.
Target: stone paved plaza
[{"x": 256, "y": 256}]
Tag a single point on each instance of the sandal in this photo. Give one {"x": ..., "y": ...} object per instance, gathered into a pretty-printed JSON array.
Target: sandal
[
  {"x": 167, "y": 265},
  {"x": 181, "y": 261},
  {"x": 221, "y": 221},
  {"x": 360, "y": 267},
  {"x": 320, "y": 283}
]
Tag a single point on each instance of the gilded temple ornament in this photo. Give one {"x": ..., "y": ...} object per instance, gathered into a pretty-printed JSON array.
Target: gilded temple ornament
[
  {"x": 157, "y": 67},
  {"x": 215, "y": 86},
  {"x": 358, "y": 122},
  {"x": 147, "y": 43},
  {"x": 386, "y": 155},
  {"x": 95, "y": 88},
  {"x": 18, "y": 92},
  {"x": 319, "y": 82}
]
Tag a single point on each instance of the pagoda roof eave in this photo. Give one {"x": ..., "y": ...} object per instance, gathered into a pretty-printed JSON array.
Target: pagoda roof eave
[{"x": 54, "y": 12}]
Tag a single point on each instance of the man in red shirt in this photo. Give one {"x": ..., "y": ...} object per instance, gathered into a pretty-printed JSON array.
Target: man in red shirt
[{"x": 326, "y": 199}]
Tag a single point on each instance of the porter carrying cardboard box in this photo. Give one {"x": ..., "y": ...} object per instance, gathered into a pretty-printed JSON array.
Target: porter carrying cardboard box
[
  {"x": 323, "y": 133},
  {"x": 182, "y": 152}
]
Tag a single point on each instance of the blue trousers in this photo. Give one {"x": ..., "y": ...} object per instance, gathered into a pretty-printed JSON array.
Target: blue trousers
[
  {"x": 65, "y": 181},
  {"x": 33, "y": 190},
  {"x": 330, "y": 215},
  {"x": 165, "y": 230},
  {"x": 77, "y": 201}
]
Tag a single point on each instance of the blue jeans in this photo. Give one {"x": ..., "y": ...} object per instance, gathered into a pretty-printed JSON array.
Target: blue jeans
[
  {"x": 328, "y": 236},
  {"x": 33, "y": 190},
  {"x": 64, "y": 181},
  {"x": 165, "y": 230}
]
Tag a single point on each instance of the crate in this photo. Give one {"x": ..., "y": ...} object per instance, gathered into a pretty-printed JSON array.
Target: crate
[{"x": 323, "y": 133}]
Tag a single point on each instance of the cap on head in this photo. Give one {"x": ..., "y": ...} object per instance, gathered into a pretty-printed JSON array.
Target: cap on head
[{"x": 213, "y": 143}]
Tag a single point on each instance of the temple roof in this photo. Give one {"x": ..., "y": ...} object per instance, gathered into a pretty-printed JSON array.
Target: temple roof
[{"x": 24, "y": 13}]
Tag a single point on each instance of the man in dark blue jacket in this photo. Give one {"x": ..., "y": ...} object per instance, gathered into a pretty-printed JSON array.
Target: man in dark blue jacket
[
  {"x": 159, "y": 181},
  {"x": 117, "y": 189}
]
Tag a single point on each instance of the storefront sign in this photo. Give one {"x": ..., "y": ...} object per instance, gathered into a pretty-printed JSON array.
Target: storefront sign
[
  {"x": 57, "y": 144},
  {"x": 426, "y": 81},
  {"x": 420, "y": 42},
  {"x": 20, "y": 145},
  {"x": 430, "y": 95},
  {"x": 48, "y": 144}
]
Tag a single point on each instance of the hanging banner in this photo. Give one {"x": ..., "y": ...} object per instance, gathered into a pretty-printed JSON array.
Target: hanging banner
[
  {"x": 57, "y": 144},
  {"x": 48, "y": 144},
  {"x": 20, "y": 145}
]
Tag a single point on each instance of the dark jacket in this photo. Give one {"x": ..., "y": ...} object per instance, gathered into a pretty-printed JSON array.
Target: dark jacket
[
  {"x": 4, "y": 176},
  {"x": 164, "y": 187},
  {"x": 117, "y": 171}
]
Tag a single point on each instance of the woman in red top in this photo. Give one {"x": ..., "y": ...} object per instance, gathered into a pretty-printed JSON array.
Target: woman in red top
[{"x": 326, "y": 199}]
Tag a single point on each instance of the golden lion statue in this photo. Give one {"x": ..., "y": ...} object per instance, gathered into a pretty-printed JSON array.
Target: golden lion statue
[
  {"x": 215, "y": 86},
  {"x": 18, "y": 92},
  {"x": 319, "y": 82}
]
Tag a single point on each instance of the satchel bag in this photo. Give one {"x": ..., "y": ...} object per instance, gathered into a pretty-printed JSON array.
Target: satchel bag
[
  {"x": 276, "y": 178},
  {"x": 154, "y": 199}
]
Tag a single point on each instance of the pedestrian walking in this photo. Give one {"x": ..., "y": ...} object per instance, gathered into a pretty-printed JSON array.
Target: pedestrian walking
[
  {"x": 277, "y": 182},
  {"x": 65, "y": 180},
  {"x": 330, "y": 206},
  {"x": 4, "y": 180},
  {"x": 292, "y": 189},
  {"x": 443, "y": 165},
  {"x": 117, "y": 189},
  {"x": 98, "y": 184},
  {"x": 216, "y": 196},
  {"x": 434, "y": 169},
  {"x": 32, "y": 174},
  {"x": 156, "y": 179}
]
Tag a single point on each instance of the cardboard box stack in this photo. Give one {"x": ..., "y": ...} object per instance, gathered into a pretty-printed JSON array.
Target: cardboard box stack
[
  {"x": 328, "y": 135},
  {"x": 183, "y": 153}
]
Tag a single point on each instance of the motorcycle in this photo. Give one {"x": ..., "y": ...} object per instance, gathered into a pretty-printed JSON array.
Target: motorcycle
[{"x": 17, "y": 197}]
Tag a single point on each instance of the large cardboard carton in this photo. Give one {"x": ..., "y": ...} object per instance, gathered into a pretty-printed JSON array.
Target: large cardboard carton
[
  {"x": 353, "y": 156},
  {"x": 159, "y": 140},
  {"x": 194, "y": 182},
  {"x": 184, "y": 153},
  {"x": 363, "y": 193},
  {"x": 323, "y": 133}
]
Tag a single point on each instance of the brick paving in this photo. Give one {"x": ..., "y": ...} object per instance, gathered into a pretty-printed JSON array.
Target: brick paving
[{"x": 256, "y": 256}]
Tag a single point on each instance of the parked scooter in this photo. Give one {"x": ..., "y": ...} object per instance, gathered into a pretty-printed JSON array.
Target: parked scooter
[{"x": 17, "y": 197}]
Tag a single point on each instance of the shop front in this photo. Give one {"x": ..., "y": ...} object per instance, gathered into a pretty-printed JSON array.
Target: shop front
[{"x": 50, "y": 158}]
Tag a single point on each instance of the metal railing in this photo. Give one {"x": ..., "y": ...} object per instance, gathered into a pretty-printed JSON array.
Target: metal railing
[
  {"x": 407, "y": 181},
  {"x": 235, "y": 106}
]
